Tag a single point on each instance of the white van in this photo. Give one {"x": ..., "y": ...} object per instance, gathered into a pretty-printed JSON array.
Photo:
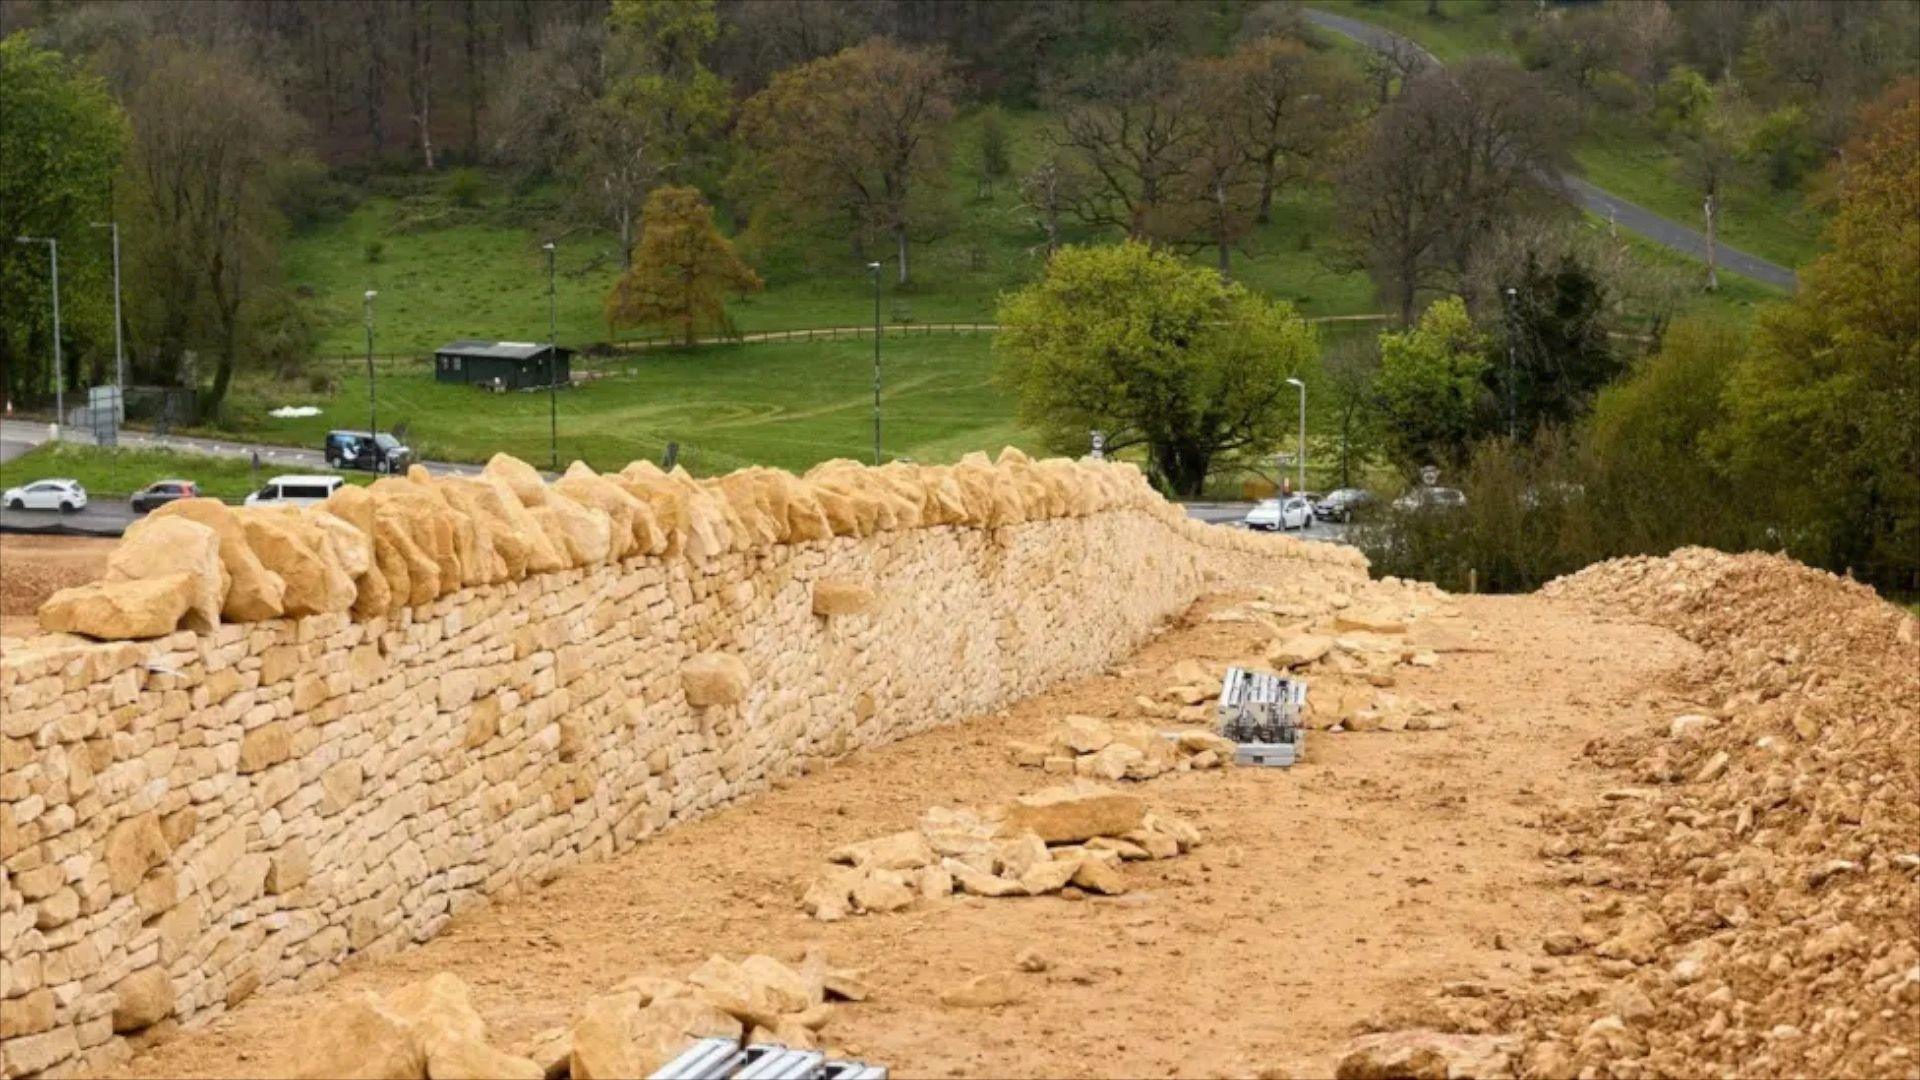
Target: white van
[{"x": 295, "y": 491}]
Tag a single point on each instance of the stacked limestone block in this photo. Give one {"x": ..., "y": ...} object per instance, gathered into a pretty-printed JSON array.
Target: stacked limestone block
[{"x": 475, "y": 683}]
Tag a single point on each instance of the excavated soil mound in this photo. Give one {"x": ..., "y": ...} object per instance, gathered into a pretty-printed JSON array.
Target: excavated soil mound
[{"x": 1756, "y": 893}]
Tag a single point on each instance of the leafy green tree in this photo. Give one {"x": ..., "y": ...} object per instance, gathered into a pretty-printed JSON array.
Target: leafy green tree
[
  {"x": 858, "y": 138},
  {"x": 1351, "y": 369},
  {"x": 1430, "y": 387},
  {"x": 1782, "y": 144},
  {"x": 61, "y": 137},
  {"x": 682, "y": 271},
  {"x": 211, "y": 138},
  {"x": 1555, "y": 325},
  {"x": 660, "y": 100},
  {"x": 1825, "y": 409},
  {"x": 1658, "y": 484},
  {"x": 1156, "y": 353},
  {"x": 1684, "y": 96}
]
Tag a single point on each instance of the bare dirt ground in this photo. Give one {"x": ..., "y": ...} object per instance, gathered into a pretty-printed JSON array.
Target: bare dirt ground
[
  {"x": 1386, "y": 865},
  {"x": 33, "y": 568}
]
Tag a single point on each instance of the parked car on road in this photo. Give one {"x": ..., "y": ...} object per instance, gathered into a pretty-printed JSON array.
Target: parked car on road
[
  {"x": 1431, "y": 498},
  {"x": 375, "y": 453},
  {"x": 161, "y": 492},
  {"x": 1340, "y": 504},
  {"x": 59, "y": 494},
  {"x": 295, "y": 491},
  {"x": 1273, "y": 515}
]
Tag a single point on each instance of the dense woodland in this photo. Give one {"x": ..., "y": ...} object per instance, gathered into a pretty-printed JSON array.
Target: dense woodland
[{"x": 711, "y": 138}]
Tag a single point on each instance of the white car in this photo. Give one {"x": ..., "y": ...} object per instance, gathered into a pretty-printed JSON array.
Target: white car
[
  {"x": 1292, "y": 512},
  {"x": 46, "y": 495},
  {"x": 295, "y": 491}
]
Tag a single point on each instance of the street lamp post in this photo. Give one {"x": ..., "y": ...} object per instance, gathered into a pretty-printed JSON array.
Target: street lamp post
[
  {"x": 553, "y": 368},
  {"x": 874, "y": 269},
  {"x": 119, "y": 355},
  {"x": 59, "y": 378},
  {"x": 1301, "y": 484},
  {"x": 373, "y": 404}
]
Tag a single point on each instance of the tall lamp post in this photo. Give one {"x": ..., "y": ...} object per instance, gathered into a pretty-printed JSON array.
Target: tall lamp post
[
  {"x": 119, "y": 355},
  {"x": 553, "y": 368},
  {"x": 373, "y": 405},
  {"x": 1301, "y": 484},
  {"x": 59, "y": 378},
  {"x": 874, "y": 269}
]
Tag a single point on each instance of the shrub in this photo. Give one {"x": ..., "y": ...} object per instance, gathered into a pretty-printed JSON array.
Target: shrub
[
  {"x": 464, "y": 187},
  {"x": 375, "y": 250}
]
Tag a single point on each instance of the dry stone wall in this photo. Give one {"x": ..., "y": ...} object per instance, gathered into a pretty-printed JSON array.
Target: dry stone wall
[{"x": 194, "y": 818}]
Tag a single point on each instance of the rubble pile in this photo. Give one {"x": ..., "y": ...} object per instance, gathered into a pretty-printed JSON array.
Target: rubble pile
[
  {"x": 1099, "y": 749},
  {"x": 1351, "y": 654},
  {"x": 1070, "y": 839},
  {"x": 426, "y": 1029},
  {"x": 1760, "y": 881},
  {"x": 430, "y": 1031},
  {"x": 403, "y": 542}
]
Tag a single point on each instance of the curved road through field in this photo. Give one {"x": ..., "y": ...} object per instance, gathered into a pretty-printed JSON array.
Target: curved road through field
[{"x": 1629, "y": 216}]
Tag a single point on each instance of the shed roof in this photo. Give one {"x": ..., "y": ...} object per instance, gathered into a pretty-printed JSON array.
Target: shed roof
[{"x": 505, "y": 350}]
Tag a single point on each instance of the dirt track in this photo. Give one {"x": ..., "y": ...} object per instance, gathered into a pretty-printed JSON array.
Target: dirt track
[{"x": 1389, "y": 864}]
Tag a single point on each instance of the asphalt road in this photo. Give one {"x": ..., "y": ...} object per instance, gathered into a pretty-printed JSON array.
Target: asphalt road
[
  {"x": 19, "y": 436},
  {"x": 110, "y": 517},
  {"x": 1629, "y": 216}
]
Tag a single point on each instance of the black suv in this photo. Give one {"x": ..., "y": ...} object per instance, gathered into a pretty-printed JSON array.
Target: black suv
[{"x": 374, "y": 453}]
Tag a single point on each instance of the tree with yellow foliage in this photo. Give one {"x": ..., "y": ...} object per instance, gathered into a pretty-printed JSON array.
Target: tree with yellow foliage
[{"x": 682, "y": 270}]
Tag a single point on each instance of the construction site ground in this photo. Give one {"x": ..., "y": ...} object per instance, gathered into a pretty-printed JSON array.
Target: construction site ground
[
  {"x": 1385, "y": 866},
  {"x": 34, "y": 567}
]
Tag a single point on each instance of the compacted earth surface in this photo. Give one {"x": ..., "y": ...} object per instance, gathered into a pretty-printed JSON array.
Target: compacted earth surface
[
  {"x": 1388, "y": 864},
  {"x": 33, "y": 568}
]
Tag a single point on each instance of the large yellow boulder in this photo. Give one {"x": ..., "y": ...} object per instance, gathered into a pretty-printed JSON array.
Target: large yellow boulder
[
  {"x": 521, "y": 478},
  {"x": 806, "y": 517},
  {"x": 120, "y": 610},
  {"x": 357, "y": 1039},
  {"x": 297, "y": 551},
  {"x": 747, "y": 498},
  {"x": 588, "y": 488},
  {"x": 585, "y": 532},
  {"x": 429, "y": 522},
  {"x": 253, "y": 591},
  {"x": 665, "y": 501},
  {"x": 489, "y": 563},
  {"x": 156, "y": 547},
  {"x": 375, "y": 589},
  {"x": 976, "y": 482},
  {"x": 475, "y": 565},
  {"x": 497, "y": 497},
  {"x": 413, "y": 574},
  {"x": 353, "y": 548},
  {"x": 714, "y": 679}
]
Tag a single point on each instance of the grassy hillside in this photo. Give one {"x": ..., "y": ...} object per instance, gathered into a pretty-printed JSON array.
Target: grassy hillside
[
  {"x": 445, "y": 271},
  {"x": 1618, "y": 152}
]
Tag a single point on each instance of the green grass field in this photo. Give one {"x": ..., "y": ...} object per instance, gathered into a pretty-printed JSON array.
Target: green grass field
[
  {"x": 117, "y": 473},
  {"x": 785, "y": 404}
]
